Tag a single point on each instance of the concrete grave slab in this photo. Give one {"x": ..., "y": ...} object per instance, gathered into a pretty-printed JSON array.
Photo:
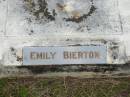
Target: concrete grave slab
[{"x": 23, "y": 24}]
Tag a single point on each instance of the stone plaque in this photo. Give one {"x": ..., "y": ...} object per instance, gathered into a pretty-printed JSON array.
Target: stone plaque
[{"x": 61, "y": 55}]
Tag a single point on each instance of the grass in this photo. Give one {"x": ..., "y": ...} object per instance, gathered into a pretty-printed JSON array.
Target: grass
[{"x": 64, "y": 87}]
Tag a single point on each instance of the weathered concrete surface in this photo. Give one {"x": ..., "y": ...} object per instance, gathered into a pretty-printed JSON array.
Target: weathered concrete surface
[
  {"x": 104, "y": 18},
  {"x": 12, "y": 53},
  {"x": 19, "y": 27}
]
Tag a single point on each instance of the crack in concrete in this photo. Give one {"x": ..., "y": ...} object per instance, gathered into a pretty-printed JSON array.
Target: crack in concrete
[{"x": 120, "y": 19}]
